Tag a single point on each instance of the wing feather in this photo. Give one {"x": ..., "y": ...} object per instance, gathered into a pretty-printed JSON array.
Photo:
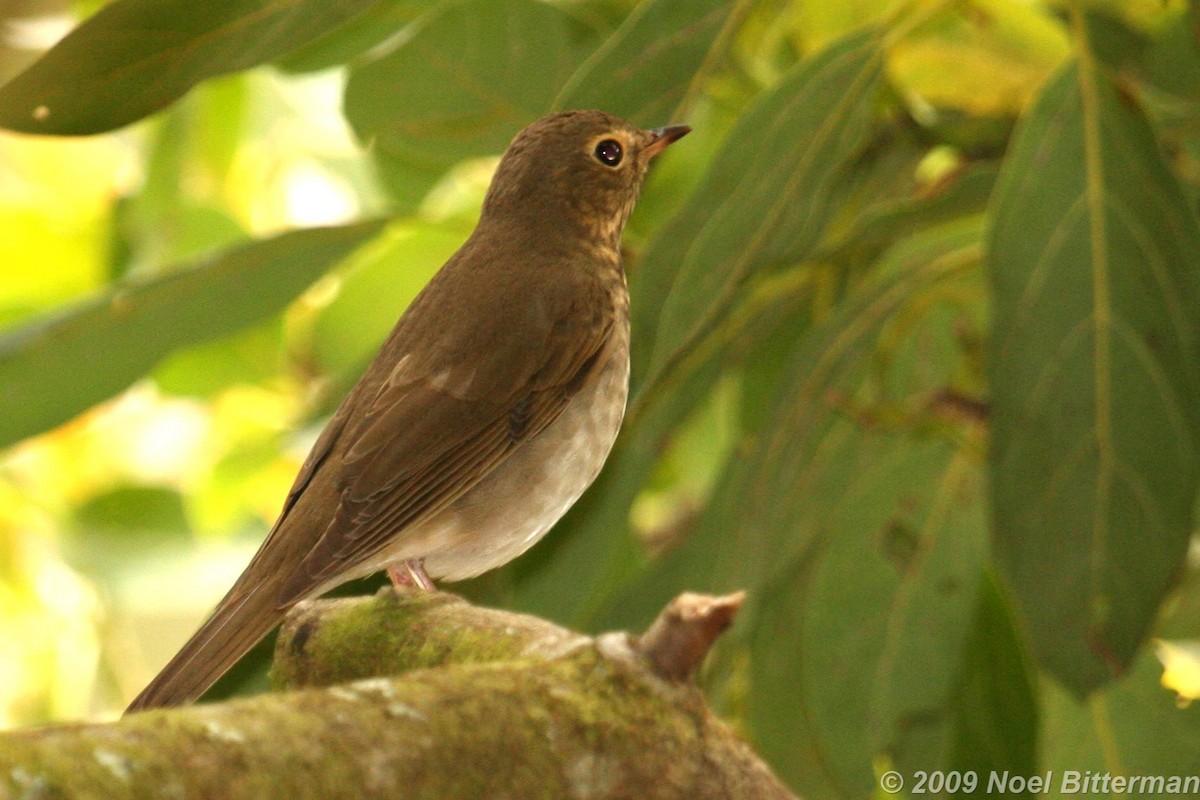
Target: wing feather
[{"x": 420, "y": 448}]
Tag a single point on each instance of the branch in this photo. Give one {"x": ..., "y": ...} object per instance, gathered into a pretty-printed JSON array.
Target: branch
[
  {"x": 681, "y": 637},
  {"x": 489, "y": 704},
  {"x": 327, "y": 642}
]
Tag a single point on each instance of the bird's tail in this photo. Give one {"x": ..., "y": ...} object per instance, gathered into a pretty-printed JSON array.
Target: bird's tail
[{"x": 240, "y": 620}]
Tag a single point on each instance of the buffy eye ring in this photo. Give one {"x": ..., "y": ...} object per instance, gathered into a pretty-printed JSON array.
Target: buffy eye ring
[{"x": 609, "y": 152}]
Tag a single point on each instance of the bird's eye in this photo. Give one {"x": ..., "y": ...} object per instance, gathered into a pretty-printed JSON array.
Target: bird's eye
[{"x": 609, "y": 152}]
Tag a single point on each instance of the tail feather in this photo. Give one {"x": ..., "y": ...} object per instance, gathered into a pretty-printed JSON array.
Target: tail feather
[
  {"x": 240, "y": 621},
  {"x": 252, "y": 607}
]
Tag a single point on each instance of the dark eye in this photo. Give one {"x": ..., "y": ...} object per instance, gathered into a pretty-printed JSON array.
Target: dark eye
[{"x": 609, "y": 152}]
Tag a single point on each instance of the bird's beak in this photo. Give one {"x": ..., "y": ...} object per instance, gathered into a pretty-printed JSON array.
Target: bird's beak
[{"x": 663, "y": 137}]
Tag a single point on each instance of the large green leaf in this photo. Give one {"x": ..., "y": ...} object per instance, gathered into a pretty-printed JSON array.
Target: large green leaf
[
  {"x": 53, "y": 369},
  {"x": 643, "y": 75},
  {"x": 765, "y": 199},
  {"x": 467, "y": 78},
  {"x": 790, "y": 469},
  {"x": 822, "y": 635},
  {"x": 1095, "y": 373},
  {"x": 860, "y": 545},
  {"x": 863, "y": 548},
  {"x": 134, "y": 57}
]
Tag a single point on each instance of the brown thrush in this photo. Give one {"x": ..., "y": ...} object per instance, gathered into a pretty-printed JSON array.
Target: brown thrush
[{"x": 488, "y": 411}]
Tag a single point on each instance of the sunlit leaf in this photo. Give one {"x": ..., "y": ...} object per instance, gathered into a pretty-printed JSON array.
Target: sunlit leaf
[
  {"x": 1181, "y": 668},
  {"x": 987, "y": 58},
  {"x": 134, "y": 57},
  {"x": 120, "y": 529},
  {"x": 1095, "y": 372},
  {"x": 251, "y": 355},
  {"x": 55, "y": 368},
  {"x": 54, "y": 197}
]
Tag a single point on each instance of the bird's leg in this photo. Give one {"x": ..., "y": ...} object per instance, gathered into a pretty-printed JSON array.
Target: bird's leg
[{"x": 411, "y": 573}]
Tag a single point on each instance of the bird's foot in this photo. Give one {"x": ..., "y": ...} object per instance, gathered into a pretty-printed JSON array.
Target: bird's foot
[{"x": 411, "y": 574}]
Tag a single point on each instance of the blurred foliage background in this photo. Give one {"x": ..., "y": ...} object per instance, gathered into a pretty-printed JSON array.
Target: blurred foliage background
[{"x": 916, "y": 332}]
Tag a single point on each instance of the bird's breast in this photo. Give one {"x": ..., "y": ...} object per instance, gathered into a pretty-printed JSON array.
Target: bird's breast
[{"x": 518, "y": 502}]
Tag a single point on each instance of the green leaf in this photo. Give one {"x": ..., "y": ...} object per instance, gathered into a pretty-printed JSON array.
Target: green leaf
[
  {"x": 915, "y": 696},
  {"x": 643, "y": 75},
  {"x": 119, "y": 530},
  {"x": 825, "y": 689},
  {"x": 824, "y": 517},
  {"x": 1172, "y": 59},
  {"x": 134, "y": 57},
  {"x": 768, "y": 511},
  {"x": 138, "y": 513},
  {"x": 881, "y": 223},
  {"x": 55, "y": 368},
  {"x": 471, "y": 75},
  {"x": 832, "y": 519},
  {"x": 995, "y": 707},
  {"x": 254, "y": 355},
  {"x": 1095, "y": 374},
  {"x": 765, "y": 199},
  {"x": 380, "y": 22}
]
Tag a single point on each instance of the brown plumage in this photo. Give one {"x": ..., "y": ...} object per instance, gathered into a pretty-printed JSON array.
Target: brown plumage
[{"x": 487, "y": 412}]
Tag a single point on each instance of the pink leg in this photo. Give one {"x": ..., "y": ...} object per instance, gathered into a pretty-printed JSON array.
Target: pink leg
[{"x": 411, "y": 573}]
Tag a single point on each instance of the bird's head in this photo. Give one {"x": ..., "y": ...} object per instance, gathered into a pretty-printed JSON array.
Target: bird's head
[{"x": 575, "y": 171}]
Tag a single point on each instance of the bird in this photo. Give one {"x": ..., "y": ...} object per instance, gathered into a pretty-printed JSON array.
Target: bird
[{"x": 487, "y": 412}]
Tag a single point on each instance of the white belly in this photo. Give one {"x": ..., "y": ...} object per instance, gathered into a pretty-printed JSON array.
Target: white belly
[{"x": 513, "y": 507}]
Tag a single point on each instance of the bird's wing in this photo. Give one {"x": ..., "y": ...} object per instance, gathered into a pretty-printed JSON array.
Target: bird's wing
[
  {"x": 411, "y": 436},
  {"x": 429, "y": 435}
]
